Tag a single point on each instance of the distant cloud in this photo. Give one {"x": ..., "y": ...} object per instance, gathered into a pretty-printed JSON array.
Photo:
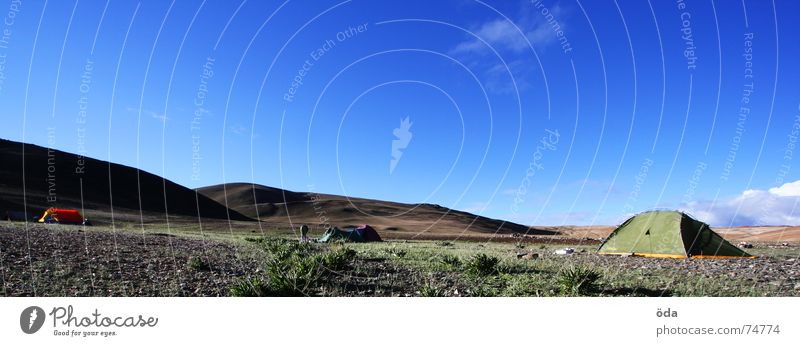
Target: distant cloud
[
  {"x": 776, "y": 206},
  {"x": 496, "y": 79},
  {"x": 512, "y": 39},
  {"x": 498, "y": 33},
  {"x": 502, "y": 34},
  {"x": 153, "y": 114},
  {"x": 158, "y": 116},
  {"x": 238, "y": 129}
]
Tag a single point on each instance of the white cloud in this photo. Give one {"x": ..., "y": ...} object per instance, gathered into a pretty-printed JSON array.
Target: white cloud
[
  {"x": 503, "y": 34},
  {"x": 776, "y": 206},
  {"x": 511, "y": 39},
  {"x": 498, "y": 33},
  {"x": 787, "y": 190},
  {"x": 496, "y": 78}
]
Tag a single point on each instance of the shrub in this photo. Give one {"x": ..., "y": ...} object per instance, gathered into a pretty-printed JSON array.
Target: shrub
[
  {"x": 578, "y": 280},
  {"x": 506, "y": 267},
  {"x": 283, "y": 249},
  {"x": 294, "y": 267},
  {"x": 449, "y": 260},
  {"x": 252, "y": 287},
  {"x": 293, "y": 276},
  {"x": 482, "y": 265},
  {"x": 198, "y": 264},
  {"x": 337, "y": 259}
]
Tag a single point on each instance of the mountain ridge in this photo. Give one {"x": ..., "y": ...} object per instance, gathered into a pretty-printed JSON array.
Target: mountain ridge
[
  {"x": 55, "y": 178},
  {"x": 272, "y": 204}
]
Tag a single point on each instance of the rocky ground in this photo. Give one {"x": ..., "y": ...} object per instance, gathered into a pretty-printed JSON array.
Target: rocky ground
[
  {"x": 761, "y": 276},
  {"x": 50, "y": 260},
  {"x": 767, "y": 275}
]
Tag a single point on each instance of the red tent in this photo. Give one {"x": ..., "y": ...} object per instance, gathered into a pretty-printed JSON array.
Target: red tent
[
  {"x": 67, "y": 216},
  {"x": 368, "y": 233}
]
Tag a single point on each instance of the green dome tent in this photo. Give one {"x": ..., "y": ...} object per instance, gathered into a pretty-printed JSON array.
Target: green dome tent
[{"x": 669, "y": 234}]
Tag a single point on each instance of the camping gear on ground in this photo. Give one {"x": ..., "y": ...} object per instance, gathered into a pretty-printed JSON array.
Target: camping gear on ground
[
  {"x": 670, "y": 234},
  {"x": 62, "y": 216},
  {"x": 304, "y": 234},
  {"x": 565, "y": 251},
  {"x": 527, "y": 255},
  {"x": 363, "y": 233}
]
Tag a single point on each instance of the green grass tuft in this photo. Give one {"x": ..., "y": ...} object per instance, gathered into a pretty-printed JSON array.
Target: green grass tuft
[
  {"x": 578, "y": 280},
  {"x": 450, "y": 261},
  {"x": 337, "y": 259},
  {"x": 198, "y": 264},
  {"x": 252, "y": 287},
  {"x": 431, "y": 290},
  {"x": 481, "y": 265}
]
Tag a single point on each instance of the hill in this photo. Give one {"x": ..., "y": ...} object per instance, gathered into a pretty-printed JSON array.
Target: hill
[
  {"x": 280, "y": 206},
  {"x": 39, "y": 178}
]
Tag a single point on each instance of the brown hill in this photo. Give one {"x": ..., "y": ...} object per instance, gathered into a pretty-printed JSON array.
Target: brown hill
[
  {"x": 50, "y": 179},
  {"x": 279, "y": 206}
]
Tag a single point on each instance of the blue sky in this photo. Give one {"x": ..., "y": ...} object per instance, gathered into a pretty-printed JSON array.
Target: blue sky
[{"x": 645, "y": 99}]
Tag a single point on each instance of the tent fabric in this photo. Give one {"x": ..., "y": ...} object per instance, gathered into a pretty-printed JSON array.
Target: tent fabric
[
  {"x": 368, "y": 233},
  {"x": 668, "y": 234},
  {"x": 334, "y": 233},
  {"x": 65, "y": 216},
  {"x": 363, "y": 233}
]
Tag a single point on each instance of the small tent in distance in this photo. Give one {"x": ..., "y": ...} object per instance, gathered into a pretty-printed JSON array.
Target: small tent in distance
[
  {"x": 62, "y": 216},
  {"x": 360, "y": 234},
  {"x": 670, "y": 234}
]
